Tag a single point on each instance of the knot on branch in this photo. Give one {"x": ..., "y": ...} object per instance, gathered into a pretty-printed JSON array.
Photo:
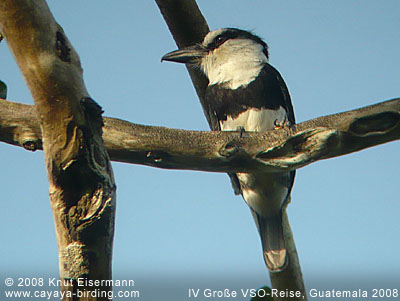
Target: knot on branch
[
  {"x": 32, "y": 145},
  {"x": 230, "y": 149},
  {"x": 89, "y": 209},
  {"x": 93, "y": 131},
  {"x": 155, "y": 157},
  {"x": 375, "y": 124},
  {"x": 93, "y": 112},
  {"x": 63, "y": 51},
  {"x": 80, "y": 151},
  {"x": 302, "y": 148}
]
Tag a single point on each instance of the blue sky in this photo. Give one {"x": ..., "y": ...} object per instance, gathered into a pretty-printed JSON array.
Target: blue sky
[{"x": 180, "y": 229}]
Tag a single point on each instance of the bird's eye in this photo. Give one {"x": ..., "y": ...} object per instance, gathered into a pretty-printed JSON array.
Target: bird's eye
[{"x": 220, "y": 40}]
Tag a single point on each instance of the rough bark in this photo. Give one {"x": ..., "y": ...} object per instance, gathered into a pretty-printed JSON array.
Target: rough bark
[{"x": 82, "y": 189}]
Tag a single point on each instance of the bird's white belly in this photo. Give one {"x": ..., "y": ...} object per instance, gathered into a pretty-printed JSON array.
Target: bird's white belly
[
  {"x": 254, "y": 120},
  {"x": 263, "y": 192}
]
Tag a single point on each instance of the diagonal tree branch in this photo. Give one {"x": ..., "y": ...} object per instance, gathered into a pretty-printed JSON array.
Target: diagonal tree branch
[
  {"x": 290, "y": 278},
  {"x": 82, "y": 189},
  {"x": 188, "y": 27}
]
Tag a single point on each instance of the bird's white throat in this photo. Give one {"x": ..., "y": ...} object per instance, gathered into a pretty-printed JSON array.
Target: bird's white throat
[{"x": 234, "y": 64}]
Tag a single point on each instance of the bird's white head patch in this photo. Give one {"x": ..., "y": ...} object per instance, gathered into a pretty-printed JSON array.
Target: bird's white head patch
[{"x": 235, "y": 57}]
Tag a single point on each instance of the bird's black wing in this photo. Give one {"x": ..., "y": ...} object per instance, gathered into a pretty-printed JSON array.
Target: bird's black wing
[
  {"x": 277, "y": 94},
  {"x": 276, "y": 91},
  {"x": 267, "y": 91},
  {"x": 213, "y": 122}
]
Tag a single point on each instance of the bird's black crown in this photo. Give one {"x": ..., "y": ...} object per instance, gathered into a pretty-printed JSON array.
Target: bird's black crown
[{"x": 235, "y": 33}]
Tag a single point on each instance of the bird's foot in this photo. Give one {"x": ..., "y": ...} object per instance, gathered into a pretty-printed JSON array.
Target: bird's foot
[
  {"x": 241, "y": 130},
  {"x": 282, "y": 124}
]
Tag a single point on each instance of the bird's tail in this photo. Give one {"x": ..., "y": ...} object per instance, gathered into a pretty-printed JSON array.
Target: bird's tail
[{"x": 273, "y": 241}]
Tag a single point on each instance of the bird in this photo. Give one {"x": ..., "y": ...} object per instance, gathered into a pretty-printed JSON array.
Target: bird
[{"x": 245, "y": 93}]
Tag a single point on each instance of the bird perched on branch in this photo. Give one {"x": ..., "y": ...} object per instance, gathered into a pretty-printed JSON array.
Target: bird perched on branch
[{"x": 246, "y": 93}]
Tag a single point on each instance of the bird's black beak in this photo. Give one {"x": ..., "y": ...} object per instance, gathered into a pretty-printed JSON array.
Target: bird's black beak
[{"x": 188, "y": 55}]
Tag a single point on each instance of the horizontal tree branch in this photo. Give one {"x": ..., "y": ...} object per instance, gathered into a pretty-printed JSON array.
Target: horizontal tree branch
[{"x": 277, "y": 150}]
